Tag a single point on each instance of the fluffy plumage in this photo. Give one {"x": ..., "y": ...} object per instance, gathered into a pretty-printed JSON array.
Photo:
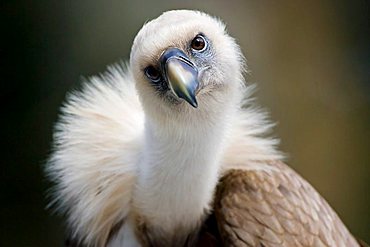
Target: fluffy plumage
[
  {"x": 97, "y": 146},
  {"x": 134, "y": 165}
]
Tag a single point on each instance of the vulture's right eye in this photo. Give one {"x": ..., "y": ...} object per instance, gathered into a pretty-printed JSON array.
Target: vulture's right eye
[
  {"x": 198, "y": 43},
  {"x": 152, "y": 73}
]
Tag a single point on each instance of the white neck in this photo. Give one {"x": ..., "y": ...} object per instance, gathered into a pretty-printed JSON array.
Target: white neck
[{"x": 179, "y": 169}]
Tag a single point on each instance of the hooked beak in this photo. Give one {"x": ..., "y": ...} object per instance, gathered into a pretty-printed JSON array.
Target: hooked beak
[{"x": 181, "y": 75}]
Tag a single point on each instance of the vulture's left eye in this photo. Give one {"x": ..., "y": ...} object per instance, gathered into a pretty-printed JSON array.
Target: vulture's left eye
[
  {"x": 152, "y": 73},
  {"x": 198, "y": 43}
]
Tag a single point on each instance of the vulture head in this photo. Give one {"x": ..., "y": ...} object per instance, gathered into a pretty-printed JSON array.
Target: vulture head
[{"x": 185, "y": 60}]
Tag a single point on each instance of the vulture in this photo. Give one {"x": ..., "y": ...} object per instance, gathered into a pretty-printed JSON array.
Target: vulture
[{"x": 170, "y": 150}]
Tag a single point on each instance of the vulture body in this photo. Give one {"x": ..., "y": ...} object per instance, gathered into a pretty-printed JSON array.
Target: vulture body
[{"x": 170, "y": 151}]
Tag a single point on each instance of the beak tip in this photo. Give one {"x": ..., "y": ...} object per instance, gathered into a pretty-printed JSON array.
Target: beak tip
[
  {"x": 192, "y": 101},
  {"x": 194, "y": 104}
]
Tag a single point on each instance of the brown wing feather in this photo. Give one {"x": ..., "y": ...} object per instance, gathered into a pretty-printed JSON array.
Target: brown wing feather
[{"x": 275, "y": 207}]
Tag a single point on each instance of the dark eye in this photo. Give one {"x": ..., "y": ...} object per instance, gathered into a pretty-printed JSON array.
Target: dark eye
[
  {"x": 198, "y": 43},
  {"x": 152, "y": 73}
]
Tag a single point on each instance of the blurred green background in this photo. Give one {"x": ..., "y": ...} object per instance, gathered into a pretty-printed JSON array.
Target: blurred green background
[{"x": 311, "y": 60}]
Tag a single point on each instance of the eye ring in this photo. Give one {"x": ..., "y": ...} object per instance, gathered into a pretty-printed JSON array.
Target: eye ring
[
  {"x": 152, "y": 73},
  {"x": 198, "y": 43}
]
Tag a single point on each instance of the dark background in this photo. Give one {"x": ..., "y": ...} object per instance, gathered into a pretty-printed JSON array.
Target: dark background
[{"x": 311, "y": 60}]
